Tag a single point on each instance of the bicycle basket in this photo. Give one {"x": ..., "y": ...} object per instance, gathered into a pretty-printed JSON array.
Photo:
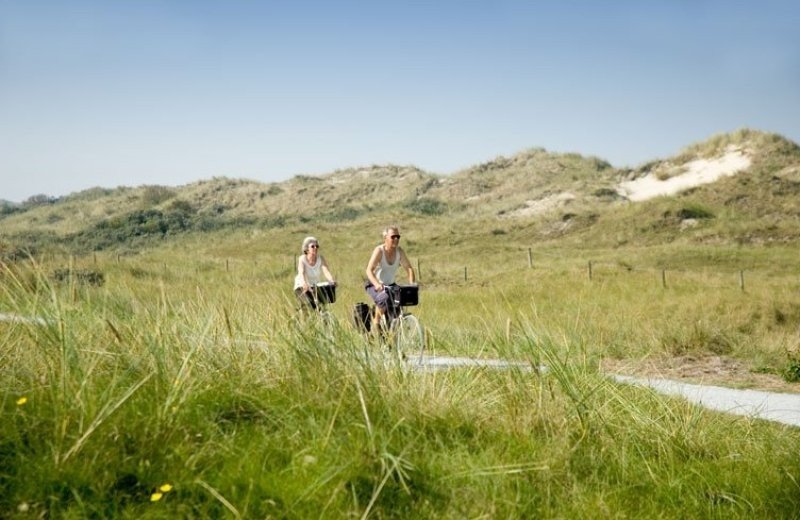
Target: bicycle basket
[
  {"x": 407, "y": 295},
  {"x": 326, "y": 292}
]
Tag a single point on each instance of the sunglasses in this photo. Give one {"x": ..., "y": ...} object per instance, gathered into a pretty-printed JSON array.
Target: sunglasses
[
  {"x": 314, "y": 246},
  {"x": 396, "y": 237}
]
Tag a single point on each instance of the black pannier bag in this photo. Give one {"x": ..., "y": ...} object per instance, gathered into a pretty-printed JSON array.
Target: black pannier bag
[{"x": 361, "y": 317}]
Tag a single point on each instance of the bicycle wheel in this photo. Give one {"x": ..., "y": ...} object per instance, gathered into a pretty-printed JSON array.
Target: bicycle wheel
[
  {"x": 409, "y": 338},
  {"x": 327, "y": 319}
]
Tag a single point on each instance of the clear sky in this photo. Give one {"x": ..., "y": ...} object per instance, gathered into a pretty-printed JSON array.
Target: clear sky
[{"x": 123, "y": 93}]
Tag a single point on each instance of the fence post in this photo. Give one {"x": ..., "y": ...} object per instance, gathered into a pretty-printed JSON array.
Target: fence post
[
  {"x": 419, "y": 271},
  {"x": 590, "y": 270},
  {"x": 664, "y": 278},
  {"x": 530, "y": 258},
  {"x": 465, "y": 273},
  {"x": 227, "y": 266},
  {"x": 741, "y": 280}
]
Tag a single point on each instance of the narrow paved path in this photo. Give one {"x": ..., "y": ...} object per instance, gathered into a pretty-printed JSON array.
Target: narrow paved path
[
  {"x": 771, "y": 406},
  {"x": 443, "y": 362},
  {"x": 16, "y": 318}
]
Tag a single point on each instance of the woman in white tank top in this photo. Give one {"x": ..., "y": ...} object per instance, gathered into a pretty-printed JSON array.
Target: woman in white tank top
[
  {"x": 382, "y": 269},
  {"x": 311, "y": 269}
]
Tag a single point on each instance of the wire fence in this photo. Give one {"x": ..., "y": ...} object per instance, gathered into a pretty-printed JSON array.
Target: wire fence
[{"x": 429, "y": 270}]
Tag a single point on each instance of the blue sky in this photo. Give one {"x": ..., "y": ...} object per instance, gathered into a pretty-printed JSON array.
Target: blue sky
[{"x": 124, "y": 93}]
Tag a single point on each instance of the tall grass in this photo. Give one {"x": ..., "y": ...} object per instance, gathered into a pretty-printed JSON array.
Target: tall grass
[{"x": 212, "y": 384}]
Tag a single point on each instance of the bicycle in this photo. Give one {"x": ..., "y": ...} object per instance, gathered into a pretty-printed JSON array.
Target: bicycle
[{"x": 405, "y": 334}]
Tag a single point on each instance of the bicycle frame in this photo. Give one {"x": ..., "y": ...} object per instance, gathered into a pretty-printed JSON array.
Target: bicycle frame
[{"x": 404, "y": 328}]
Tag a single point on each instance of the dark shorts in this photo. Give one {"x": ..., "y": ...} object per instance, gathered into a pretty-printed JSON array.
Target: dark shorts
[{"x": 381, "y": 299}]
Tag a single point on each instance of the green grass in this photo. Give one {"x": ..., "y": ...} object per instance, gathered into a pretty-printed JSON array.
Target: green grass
[{"x": 190, "y": 367}]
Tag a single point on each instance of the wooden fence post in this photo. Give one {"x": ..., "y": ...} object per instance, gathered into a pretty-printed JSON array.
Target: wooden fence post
[
  {"x": 664, "y": 278},
  {"x": 465, "y": 273},
  {"x": 530, "y": 258},
  {"x": 741, "y": 280},
  {"x": 590, "y": 270}
]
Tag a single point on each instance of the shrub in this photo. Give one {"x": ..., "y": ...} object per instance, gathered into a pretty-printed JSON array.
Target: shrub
[
  {"x": 154, "y": 195},
  {"x": 8, "y": 208},
  {"x": 695, "y": 211},
  {"x": 791, "y": 372},
  {"x": 426, "y": 206},
  {"x": 346, "y": 213},
  {"x": 82, "y": 276},
  {"x": 607, "y": 193}
]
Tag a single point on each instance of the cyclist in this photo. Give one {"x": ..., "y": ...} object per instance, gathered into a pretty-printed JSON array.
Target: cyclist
[
  {"x": 311, "y": 268},
  {"x": 382, "y": 269}
]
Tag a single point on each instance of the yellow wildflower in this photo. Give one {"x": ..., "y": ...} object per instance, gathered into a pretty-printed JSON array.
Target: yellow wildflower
[
  {"x": 21, "y": 401},
  {"x": 165, "y": 488},
  {"x": 155, "y": 497}
]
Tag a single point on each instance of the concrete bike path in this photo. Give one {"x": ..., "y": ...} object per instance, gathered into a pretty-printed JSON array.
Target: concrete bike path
[{"x": 771, "y": 406}]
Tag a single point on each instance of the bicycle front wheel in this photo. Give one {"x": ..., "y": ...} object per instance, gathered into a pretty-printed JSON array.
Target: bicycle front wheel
[{"x": 409, "y": 338}]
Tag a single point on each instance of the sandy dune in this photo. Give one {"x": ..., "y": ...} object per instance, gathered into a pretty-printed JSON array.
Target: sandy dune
[{"x": 695, "y": 173}]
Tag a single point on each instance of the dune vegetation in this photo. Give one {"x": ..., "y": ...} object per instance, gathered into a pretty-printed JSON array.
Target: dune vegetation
[
  {"x": 153, "y": 363},
  {"x": 189, "y": 368}
]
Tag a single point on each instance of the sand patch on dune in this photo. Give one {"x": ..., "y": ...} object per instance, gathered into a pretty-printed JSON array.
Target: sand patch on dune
[
  {"x": 693, "y": 173},
  {"x": 543, "y": 205}
]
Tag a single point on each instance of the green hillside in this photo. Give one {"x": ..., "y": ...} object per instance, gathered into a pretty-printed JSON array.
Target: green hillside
[
  {"x": 153, "y": 362},
  {"x": 535, "y": 195}
]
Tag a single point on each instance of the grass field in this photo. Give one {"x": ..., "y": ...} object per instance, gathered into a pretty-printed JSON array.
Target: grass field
[{"x": 186, "y": 386}]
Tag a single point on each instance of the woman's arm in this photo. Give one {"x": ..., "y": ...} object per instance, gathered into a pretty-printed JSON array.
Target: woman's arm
[
  {"x": 374, "y": 260},
  {"x": 326, "y": 271},
  {"x": 301, "y": 271},
  {"x": 407, "y": 264}
]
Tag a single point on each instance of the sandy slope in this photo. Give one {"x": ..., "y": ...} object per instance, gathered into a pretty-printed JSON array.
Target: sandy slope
[{"x": 694, "y": 173}]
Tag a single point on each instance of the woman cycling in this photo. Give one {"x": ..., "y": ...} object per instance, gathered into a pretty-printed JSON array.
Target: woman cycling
[
  {"x": 311, "y": 268},
  {"x": 382, "y": 269}
]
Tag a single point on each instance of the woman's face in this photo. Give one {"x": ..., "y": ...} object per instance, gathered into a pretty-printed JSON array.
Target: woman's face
[
  {"x": 392, "y": 238},
  {"x": 313, "y": 247}
]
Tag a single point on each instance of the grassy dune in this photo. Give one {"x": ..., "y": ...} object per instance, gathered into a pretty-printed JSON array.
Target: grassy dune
[
  {"x": 189, "y": 368},
  {"x": 186, "y": 385}
]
